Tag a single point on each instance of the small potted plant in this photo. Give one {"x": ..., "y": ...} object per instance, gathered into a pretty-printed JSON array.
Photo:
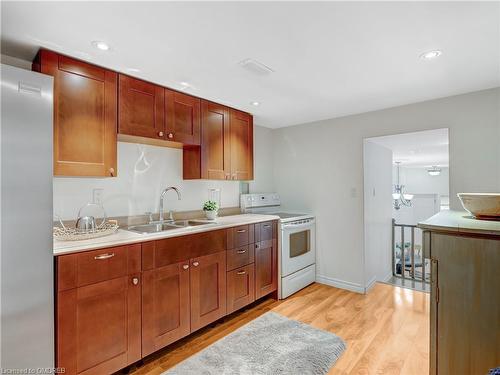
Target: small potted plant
[{"x": 211, "y": 209}]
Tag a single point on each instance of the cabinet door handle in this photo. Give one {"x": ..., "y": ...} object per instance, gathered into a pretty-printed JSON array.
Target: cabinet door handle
[
  {"x": 170, "y": 135},
  {"x": 241, "y": 231},
  {"x": 241, "y": 272},
  {"x": 135, "y": 280},
  {"x": 256, "y": 245},
  {"x": 112, "y": 172},
  {"x": 104, "y": 256},
  {"x": 267, "y": 225},
  {"x": 185, "y": 266},
  {"x": 160, "y": 134},
  {"x": 196, "y": 264},
  {"x": 241, "y": 251}
]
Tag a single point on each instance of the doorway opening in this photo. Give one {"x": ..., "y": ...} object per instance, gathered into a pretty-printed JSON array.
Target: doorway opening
[{"x": 406, "y": 181}]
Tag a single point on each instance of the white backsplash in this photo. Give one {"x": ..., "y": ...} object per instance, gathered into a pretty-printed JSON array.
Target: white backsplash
[{"x": 143, "y": 172}]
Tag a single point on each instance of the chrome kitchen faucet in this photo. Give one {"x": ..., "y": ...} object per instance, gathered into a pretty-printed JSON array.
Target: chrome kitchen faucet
[{"x": 162, "y": 196}]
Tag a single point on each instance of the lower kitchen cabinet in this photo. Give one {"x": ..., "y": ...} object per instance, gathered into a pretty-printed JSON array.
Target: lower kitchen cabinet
[
  {"x": 240, "y": 287},
  {"x": 117, "y": 305},
  {"x": 208, "y": 289},
  {"x": 465, "y": 302},
  {"x": 165, "y": 306},
  {"x": 99, "y": 326},
  {"x": 266, "y": 259}
]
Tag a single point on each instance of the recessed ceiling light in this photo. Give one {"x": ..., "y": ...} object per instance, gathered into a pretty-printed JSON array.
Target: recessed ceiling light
[
  {"x": 185, "y": 84},
  {"x": 101, "y": 45},
  {"x": 133, "y": 70},
  {"x": 431, "y": 54},
  {"x": 255, "y": 103}
]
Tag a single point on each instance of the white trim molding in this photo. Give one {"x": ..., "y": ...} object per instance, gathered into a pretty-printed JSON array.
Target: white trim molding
[
  {"x": 353, "y": 287},
  {"x": 370, "y": 284}
]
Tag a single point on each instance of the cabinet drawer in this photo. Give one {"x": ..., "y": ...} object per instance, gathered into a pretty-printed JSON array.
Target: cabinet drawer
[
  {"x": 239, "y": 257},
  {"x": 89, "y": 267},
  {"x": 240, "y": 236},
  {"x": 240, "y": 287},
  {"x": 161, "y": 253},
  {"x": 264, "y": 231}
]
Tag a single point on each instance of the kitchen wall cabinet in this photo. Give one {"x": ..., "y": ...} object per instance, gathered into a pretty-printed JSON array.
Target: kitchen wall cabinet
[
  {"x": 92, "y": 104},
  {"x": 117, "y": 305},
  {"x": 241, "y": 147},
  {"x": 208, "y": 289},
  {"x": 182, "y": 118},
  {"x": 141, "y": 108},
  {"x": 85, "y": 115},
  {"x": 212, "y": 159},
  {"x": 226, "y": 151},
  {"x": 98, "y": 314}
]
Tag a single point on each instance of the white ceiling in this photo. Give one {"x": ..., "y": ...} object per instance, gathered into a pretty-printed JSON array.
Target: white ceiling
[
  {"x": 419, "y": 149},
  {"x": 330, "y": 58}
]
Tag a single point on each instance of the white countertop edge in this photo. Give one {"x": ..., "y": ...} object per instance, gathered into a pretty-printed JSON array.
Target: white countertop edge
[
  {"x": 125, "y": 237},
  {"x": 460, "y": 222}
]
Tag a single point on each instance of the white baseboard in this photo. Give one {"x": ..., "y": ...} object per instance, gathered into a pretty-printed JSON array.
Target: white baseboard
[
  {"x": 353, "y": 287},
  {"x": 370, "y": 285},
  {"x": 387, "y": 277}
]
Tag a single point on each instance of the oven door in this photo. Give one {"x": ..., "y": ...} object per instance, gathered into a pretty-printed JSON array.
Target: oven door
[{"x": 298, "y": 247}]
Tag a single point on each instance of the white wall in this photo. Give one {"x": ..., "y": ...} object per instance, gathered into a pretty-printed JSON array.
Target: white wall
[
  {"x": 377, "y": 165},
  {"x": 143, "y": 172},
  {"x": 263, "y": 161},
  {"x": 319, "y": 167}
]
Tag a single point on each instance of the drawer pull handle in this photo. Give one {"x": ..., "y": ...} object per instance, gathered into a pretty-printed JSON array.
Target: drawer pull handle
[
  {"x": 267, "y": 225},
  {"x": 241, "y": 272},
  {"x": 241, "y": 231},
  {"x": 185, "y": 266},
  {"x": 135, "y": 280},
  {"x": 196, "y": 264},
  {"x": 241, "y": 251},
  {"x": 104, "y": 256}
]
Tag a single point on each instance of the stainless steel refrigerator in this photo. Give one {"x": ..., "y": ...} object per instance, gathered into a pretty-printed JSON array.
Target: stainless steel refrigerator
[{"x": 26, "y": 261}]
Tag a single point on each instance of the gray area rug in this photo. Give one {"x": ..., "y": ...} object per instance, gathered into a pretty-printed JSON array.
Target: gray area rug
[{"x": 270, "y": 344}]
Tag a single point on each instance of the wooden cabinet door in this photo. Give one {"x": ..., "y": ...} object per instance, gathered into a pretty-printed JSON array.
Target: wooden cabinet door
[
  {"x": 266, "y": 259},
  {"x": 241, "y": 135},
  {"x": 141, "y": 108},
  {"x": 215, "y": 141},
  {"x": 465, "y": 304},
  {"x": 182, "y": 118},
  {"x": 240, "y": 287},
  {"x": 99, "y": 326},
  {"x": 208, "y": 289},
  {"x": 165, "y": 306},
  {"x": 85, "y": 116}
]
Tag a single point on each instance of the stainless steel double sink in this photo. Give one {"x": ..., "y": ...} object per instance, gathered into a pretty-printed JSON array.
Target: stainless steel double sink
[{"x": 168, "y": 225}]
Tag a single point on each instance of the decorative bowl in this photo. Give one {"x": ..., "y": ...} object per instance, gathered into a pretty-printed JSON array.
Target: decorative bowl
[{"x": 481, "y": 205}]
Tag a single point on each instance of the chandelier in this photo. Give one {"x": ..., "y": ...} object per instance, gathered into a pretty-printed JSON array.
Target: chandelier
[{"x": 400, "y": 197}]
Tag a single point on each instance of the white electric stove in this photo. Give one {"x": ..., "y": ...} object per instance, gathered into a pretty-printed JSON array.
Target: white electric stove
[{"x": 297, "y": 242}]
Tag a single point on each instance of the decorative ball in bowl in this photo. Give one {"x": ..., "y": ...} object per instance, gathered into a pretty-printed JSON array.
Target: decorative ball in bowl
[
  {"x": 481, "y": 205},
  {"x": 211, "y": 209}
]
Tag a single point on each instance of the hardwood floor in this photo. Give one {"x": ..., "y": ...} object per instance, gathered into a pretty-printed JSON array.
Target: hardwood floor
[{"x": 386, "y": 330}]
